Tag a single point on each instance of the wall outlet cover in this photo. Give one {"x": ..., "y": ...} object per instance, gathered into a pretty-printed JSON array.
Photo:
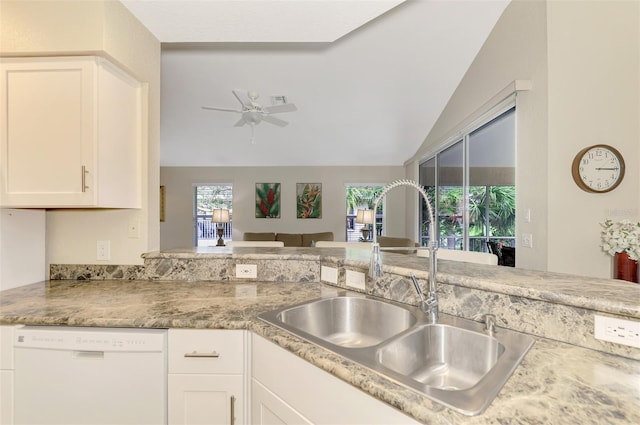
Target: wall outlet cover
[
  {"x": 616, "y": 330},
  {"x": 103, "y": 250},
  {"x": 356, "y": 280},
  {"x": 329, "y": 274},
  {"x": 246, "y": 271}
]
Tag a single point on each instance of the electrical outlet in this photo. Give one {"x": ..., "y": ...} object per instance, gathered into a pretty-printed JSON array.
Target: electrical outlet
[
  {"x": 527, "y": 240},
  {"x": 246, "y": 271},
  {"x": 103, "y": 250},
  {"x": 620, "y": 331},
  {"x": 355, "y": 280},
  {"x": 329, "y": 274}
]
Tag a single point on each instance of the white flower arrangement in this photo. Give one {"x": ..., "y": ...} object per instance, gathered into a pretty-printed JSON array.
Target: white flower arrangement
[{"x": 621, "y": 236}]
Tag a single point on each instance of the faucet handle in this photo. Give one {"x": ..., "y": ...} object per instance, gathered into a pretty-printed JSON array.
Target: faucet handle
[{"x": 490, "y": 324}]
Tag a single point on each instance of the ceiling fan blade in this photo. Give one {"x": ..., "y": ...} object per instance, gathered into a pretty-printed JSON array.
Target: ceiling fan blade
[
  {"x": 211, "y": 108},
  {"x": 276, "y": 109},
  {"x": 240, "y": 95},
  {"x": 274, "y": 120},
  {"x": 240, "y": 122}
]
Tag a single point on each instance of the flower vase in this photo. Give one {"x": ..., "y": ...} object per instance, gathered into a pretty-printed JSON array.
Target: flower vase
[{"x": 625, "y": 268}]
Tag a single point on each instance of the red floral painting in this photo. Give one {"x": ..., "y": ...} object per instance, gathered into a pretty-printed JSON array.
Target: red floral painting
[{"x": 267, "y": 200}]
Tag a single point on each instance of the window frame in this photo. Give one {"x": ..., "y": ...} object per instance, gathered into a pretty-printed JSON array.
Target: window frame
[{"x": 462, "y": 136}]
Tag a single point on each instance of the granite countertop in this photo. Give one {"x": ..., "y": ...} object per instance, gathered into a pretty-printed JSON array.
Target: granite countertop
[
  {"x": 605, "y": 295},
  {"x": 557, "y": 383}
]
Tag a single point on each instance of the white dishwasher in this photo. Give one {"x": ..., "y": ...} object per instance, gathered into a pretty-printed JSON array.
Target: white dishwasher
[{"x": 75, "y": 375}]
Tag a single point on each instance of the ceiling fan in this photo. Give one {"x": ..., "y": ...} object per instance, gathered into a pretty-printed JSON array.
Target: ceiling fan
[{"x": 253, "y": 113}]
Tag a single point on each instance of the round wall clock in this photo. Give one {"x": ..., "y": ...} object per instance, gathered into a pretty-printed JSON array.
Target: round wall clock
[{"x": 598, "y": 168}]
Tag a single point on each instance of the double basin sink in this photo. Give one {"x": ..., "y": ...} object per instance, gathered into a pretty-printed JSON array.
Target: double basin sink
[{"x": 455, "y": 362}]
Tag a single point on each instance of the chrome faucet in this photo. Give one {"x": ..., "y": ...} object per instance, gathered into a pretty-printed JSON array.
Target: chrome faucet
[{"x": 430, "y": 306}]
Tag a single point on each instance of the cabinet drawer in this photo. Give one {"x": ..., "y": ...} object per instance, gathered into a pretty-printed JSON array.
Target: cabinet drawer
[{"x": 206, "y": 351}]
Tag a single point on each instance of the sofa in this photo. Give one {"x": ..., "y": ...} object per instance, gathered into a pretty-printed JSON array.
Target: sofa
[
  {"x": 289, "y": 239},
  {"x": 388, "y": 241}
]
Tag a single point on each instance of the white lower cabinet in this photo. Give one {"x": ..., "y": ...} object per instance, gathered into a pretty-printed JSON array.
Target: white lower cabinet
[
  {"x": 206, "y": 383},
  {"x": 285, "y": 389},
  {"x": 269, "y": 409},
  {"x": 6, "y": 375}
]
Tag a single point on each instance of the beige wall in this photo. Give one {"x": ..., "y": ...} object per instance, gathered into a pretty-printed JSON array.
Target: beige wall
[
  {"x": 594, "y": 80},
  {"x": 177, "y": 230},
  {"x": 582, "y": 60},
  {"x": 102, "y": 27}
]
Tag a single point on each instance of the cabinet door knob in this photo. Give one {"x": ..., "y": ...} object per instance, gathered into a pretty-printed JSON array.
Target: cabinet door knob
[{"x": 196, "y": 354}]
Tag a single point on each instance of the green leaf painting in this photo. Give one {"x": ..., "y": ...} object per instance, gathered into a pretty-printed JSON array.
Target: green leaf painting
[
  {"x": 309, "y": 200},
  {"x": 267, "y": 200}
]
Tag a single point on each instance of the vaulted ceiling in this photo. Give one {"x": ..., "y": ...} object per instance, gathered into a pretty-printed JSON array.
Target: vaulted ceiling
[{"x": 369, "y": 77}]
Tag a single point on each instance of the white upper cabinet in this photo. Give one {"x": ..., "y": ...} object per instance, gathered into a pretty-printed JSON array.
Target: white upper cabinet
[{"x": 71, "y": 132}]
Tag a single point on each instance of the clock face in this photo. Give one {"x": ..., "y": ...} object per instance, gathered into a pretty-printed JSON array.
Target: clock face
[{"x": 598, "y": 168}]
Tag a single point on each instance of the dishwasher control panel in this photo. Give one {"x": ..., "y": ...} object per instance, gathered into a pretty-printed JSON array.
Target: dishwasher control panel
[{"x": 90, "y": 339}]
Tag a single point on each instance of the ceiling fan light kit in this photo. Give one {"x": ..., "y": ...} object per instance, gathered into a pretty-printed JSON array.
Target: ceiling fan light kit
[{"x": 252, "y": 113}]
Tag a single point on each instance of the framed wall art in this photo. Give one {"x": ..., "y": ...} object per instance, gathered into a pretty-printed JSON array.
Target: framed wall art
[
  {"x": 267, "y": 200},
  {"x": 309, "y": 200},
  {"x": 162, "y": 202}
]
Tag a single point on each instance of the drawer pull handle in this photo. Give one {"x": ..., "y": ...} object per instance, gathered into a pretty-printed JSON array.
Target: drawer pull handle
[{"x": 196, "y": 354}]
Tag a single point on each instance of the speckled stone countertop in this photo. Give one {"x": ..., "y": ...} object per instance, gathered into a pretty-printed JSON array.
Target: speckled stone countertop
[
  {"x": 605, "y": 295},
  {"x": 557, "y": 383}
]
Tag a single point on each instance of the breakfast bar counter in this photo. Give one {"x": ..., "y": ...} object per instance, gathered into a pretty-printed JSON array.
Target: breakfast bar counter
[{"x": 557, "y": 383}]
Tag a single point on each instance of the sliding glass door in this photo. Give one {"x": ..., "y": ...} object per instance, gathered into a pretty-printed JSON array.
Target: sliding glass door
[{"x": 472, "y": 185}]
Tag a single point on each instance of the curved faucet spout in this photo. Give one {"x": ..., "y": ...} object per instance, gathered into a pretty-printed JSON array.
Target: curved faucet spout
[{"x": 375, "y": 265}]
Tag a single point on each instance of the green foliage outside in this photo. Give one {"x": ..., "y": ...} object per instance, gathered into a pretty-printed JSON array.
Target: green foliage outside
[
  {"x": 502, "y": 211},
  {"x": 210, "y": 197},
  {"x": 359, "y": 196}
]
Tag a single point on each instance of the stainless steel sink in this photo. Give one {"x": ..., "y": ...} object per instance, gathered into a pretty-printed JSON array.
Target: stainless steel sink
[
  {"x": 454, "y": 362},
  {"x": 442, "y": 356},
  {"x": 350, "y": 322}
]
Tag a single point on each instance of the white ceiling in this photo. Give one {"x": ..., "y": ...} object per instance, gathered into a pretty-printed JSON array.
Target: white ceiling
[{"x": 368, "y": 98}]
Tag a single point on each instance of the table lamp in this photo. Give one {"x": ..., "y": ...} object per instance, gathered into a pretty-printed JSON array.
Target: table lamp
[
  {"x": 220, "y": 216},
  {"x": 365, "y": 217}
]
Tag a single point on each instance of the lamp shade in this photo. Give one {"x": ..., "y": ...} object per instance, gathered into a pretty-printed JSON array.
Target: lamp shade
[
  {"x": 359, "y": 216},
  {"x": 220, "y": 216},
  {"x": 368, "y": 216}
]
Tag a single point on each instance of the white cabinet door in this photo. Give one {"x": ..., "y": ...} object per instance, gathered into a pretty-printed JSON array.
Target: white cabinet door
[
  {"x": 205, "y": 399},
  {"x": 207, "y": 379},
  {"x": 269, "y": 409},
  {"x": 6, "y": 397},
  {"x": 71, "y": 133},
  {"x": 310, "y": 392},
  {"x": 6, "y": 375}
]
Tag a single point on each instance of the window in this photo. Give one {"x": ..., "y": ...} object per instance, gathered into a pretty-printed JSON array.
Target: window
[
  {"x": 362, "y": 196},
  {"x": 472, "y": 183},
  {"x": 207, "y": 198}
]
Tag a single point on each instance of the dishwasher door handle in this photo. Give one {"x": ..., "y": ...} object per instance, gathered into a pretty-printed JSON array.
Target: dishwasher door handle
[
  {"x": 213, "y": 354},
  {"x": 95, "y": 355}
]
